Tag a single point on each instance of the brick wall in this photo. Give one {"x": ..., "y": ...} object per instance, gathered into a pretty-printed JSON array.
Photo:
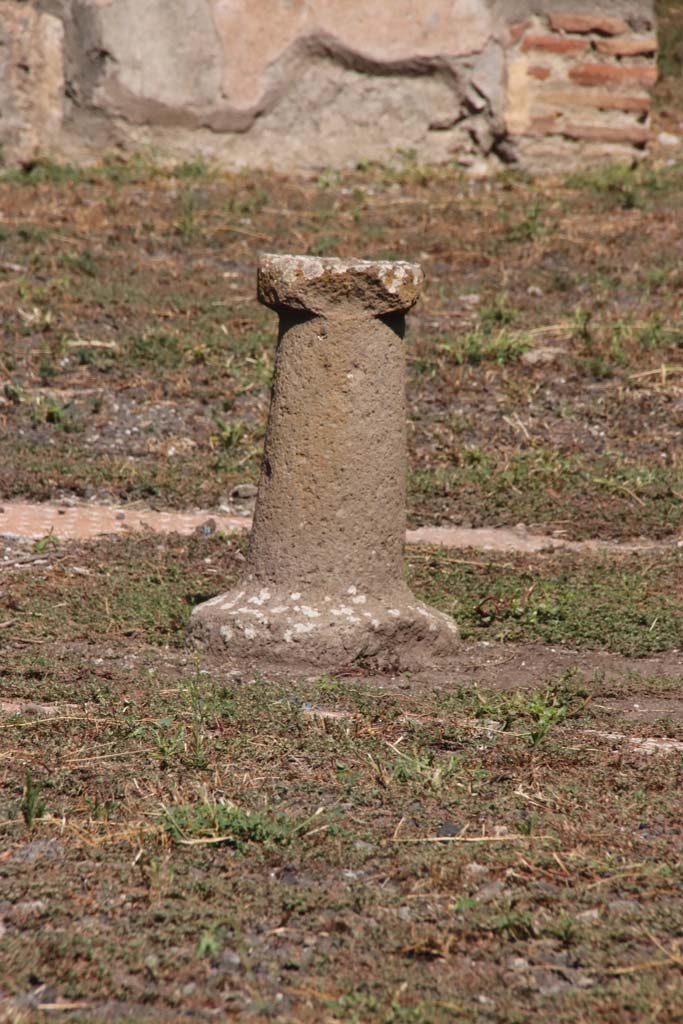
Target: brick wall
[{"x": 579, "y": 87}]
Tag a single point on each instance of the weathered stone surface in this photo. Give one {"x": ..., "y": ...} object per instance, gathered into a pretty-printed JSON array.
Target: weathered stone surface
[
  {"x": 31, "y": 81},
  {"x": 330, "y": 286},
  {"x": 269, "y": 82},
  {"x": 548, "y": 151},
  {"x": 335, "y": 116},
  {"x": 636, "y": 134},
  {"x": 255, "y": 34},
  {"x": 323, "y": 585},
  {"x": 162, "y": 59}
]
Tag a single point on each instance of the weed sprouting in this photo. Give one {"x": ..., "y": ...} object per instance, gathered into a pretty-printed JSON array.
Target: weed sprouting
[
  {"x": 54, "y": 413},
  {"x": 197, "y": 168},
  {"x": 416, "y": 768},
  {"x": 531, "y": 226},
  {"x": 113, "y": 169},
  {"x": 527, "y": 824},
  {"x": 83, "y": 262},
  {"x": 498, "y": 313},
  {"x": 187, "y": 223},
  {"x": 13, "y": 393},
  {"x": 223, "y": 822},
  {"x": 32, "y": 233},
  {"x": 564, "y": 928},
  {"x": 210, "y": 943},
  {"x": 607, "y": 348},
  {"x": 582, "y": 321},
  {"x": 325, "y": 245},
  {"x": 45, "y": 171},
  {"x": 531, "y": 715},
  {"x": 229, "y": 434},
  {"x": 625, "y": 186},
  {"x": 197, "y": 752},
  {"x": 161, "y": 348},
  {"x": 183, "y": 737},
  {"x": 545, "y": 716},
  {"x": 43, "y": 543},
  {"x": 168, "y": 737},
  {"x": 101, "y": 810},
  {"x": 481, "y": 346},
  {"x": 513, "y": 924},
  {"x": 516, "y": 607},
  {"x": 249, "y": 201},
  {"x": 329, "y": 178},
  {"x": 32, "y": 805}
]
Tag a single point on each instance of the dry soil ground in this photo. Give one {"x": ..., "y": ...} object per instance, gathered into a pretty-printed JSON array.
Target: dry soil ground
[{"x": 493, "y": 844}]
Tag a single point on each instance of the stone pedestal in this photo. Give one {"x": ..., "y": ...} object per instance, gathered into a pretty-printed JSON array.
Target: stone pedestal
[{"x": 323, "y": 585}]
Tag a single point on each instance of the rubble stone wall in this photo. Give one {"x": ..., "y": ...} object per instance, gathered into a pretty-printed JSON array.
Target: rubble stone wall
[{"x": 301, "y": 84}]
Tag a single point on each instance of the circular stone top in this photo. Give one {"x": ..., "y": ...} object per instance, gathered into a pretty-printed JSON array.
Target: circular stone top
[{"x": 325, "y": 284}]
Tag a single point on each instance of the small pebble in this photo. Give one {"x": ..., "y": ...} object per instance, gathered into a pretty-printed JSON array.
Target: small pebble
[
  {"x": 489, "y": 892},
  {"x": 474, "y": 869},
  {"x": 668, "y": 139},
  {"x": 244, "y": 492},
  {"x": 518, "y": 963},
  {"x": 449, "y": 828},
  {"x": 229, "y": 960}
]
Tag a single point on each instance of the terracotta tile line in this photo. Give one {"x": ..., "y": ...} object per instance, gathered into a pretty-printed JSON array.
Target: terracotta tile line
[{"x": 33, "y": 521}]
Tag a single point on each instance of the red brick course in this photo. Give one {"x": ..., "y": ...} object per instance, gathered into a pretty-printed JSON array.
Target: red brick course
[
  {"x": 571, "y": 98},
  {"x": 612, "y": 74},
  {"x": 555, "y": 44},
  {"x": 628, "y": 46},
  {"x": 585, "y": 23}
]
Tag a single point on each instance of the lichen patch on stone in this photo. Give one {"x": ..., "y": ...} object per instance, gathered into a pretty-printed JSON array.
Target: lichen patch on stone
[{"x": 303, "y": 627}]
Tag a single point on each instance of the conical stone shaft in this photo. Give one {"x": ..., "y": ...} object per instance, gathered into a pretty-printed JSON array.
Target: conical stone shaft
[{"x": 323, "y": 584}]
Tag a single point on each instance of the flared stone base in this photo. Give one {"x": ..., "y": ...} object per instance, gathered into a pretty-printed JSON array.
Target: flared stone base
[{"x": 262, "y": 626}]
